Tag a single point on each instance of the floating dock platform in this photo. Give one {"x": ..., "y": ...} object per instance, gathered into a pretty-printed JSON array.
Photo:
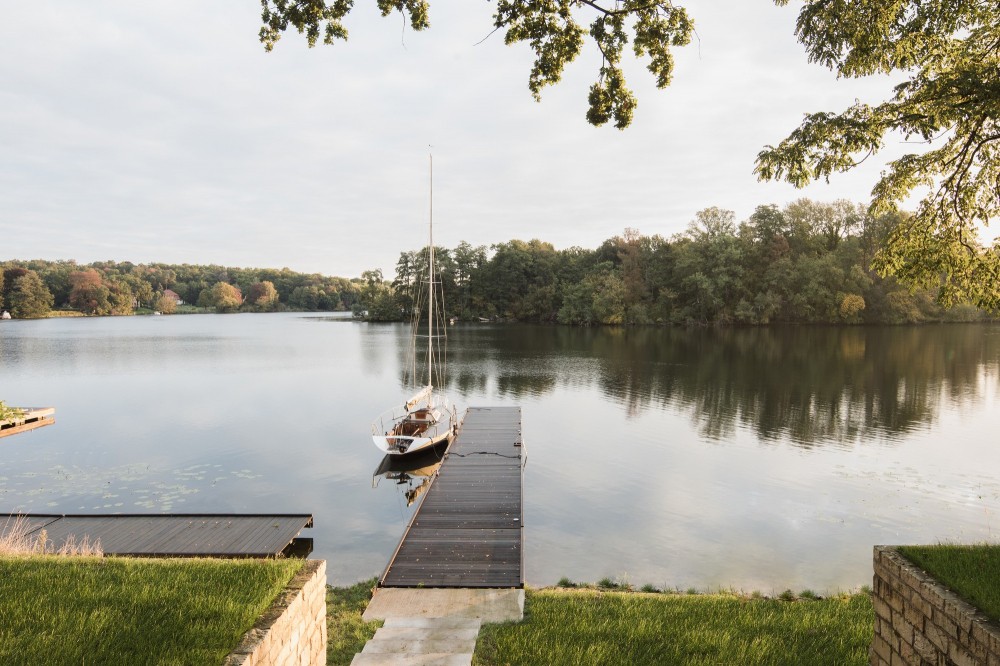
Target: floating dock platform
[
  {"x": 34, "y": 417},
  {"x": 467, "y": 531},
  {"x": 171, "y": 535}
]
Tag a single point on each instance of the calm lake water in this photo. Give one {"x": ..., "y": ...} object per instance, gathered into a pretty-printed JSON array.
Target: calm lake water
[{"x": 748, "y": 458}]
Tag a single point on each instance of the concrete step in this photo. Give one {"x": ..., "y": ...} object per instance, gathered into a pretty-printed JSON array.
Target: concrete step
[
  {"x": 375, "y": 659},
  {"x": 427, "y": 633},
  {"x": 434, "y": 622},
  {"x": 418, "y": 646}
]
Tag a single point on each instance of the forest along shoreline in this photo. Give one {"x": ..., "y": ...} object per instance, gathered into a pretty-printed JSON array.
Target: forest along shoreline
[{"x": 808, "y": 262}]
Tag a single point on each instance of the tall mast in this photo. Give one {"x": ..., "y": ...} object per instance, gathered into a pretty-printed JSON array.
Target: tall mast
[{"x": 430, "y": 287}]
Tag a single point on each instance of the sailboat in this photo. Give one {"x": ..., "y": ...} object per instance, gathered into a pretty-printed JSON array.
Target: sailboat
[{"x": 427, "y": 418}]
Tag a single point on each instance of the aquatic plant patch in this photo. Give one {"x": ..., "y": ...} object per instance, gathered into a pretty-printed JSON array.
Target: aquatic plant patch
[
  {"x": 75, "y": 610},
  {"x": 593, "y": 627},
  {"x": 973, "y": 572}
]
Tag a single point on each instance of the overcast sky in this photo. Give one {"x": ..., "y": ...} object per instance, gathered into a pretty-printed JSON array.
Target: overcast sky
[{"x": 163, "y": 132}]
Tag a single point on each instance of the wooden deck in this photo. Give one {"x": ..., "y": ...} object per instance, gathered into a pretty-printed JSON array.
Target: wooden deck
[
  {"x": 173, "y": 535},
  {"x": 467, "y": 530},
  {"x": 34, "y": 417}
]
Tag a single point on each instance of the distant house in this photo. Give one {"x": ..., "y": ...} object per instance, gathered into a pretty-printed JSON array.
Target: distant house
[{"x": 170, "y": 293}]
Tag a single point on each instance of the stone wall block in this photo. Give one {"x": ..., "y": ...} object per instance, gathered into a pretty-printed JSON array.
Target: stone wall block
[
  {"x": 281, "y": 636},
  {"x": 919, "y": 622}
]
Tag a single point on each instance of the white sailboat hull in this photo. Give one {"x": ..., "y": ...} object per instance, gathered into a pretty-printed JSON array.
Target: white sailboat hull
[{"x": 412, "y": 428}]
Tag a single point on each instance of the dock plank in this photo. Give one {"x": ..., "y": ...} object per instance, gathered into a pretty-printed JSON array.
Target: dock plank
[
  {"x": 468, "y": 529},
  {"x": 171, "y": 535}
]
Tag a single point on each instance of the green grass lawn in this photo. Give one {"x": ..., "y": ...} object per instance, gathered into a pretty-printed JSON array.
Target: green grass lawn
[
  {"x": 583, "y": 627},
  {"x": 593, "y": 627},
  {"x": 971, "y": 571},
  {"x": 86, "y": 610},
  {"x": 346, "y": 632}
]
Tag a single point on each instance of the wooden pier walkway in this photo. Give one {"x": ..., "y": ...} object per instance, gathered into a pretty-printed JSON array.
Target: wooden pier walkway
[
  {"x": 171, "y": 535},
  {"x": 34, "y": 417},
  {"x": 467, "y": 530}
]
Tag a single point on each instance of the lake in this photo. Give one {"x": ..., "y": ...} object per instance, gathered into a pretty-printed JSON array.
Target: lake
[{"x": 754, "y": 459}]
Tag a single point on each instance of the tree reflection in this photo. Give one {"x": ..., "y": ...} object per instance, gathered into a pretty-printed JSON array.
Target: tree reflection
[{"x": 813, "y": 385}]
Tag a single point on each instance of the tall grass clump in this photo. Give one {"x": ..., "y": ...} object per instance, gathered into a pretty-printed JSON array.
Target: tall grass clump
[{"x": 17, "y": 537}]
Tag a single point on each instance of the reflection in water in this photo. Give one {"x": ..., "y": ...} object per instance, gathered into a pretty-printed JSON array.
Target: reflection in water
[
  {"x": 208, "y": 414},
  {"x": 814, "y": 385},
  {"x": 412, "y": 473}
]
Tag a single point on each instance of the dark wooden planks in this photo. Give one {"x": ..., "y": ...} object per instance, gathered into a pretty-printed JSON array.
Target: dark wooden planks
[
  {"x": 171, "y": 535},
  {"x": 467, "y": 531}
]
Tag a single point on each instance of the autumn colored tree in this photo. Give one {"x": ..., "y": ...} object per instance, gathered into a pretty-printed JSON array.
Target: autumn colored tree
[
  {"x": 88, "y": 293},
  {"x": 225, "y": 297},
  {"x": 263, "y": 295},
  {"x": 165, "y": 304}
]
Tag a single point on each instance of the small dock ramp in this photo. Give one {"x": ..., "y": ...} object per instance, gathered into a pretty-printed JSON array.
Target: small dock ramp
[
  {"x": 170, "y": 535},
  {"x": 32, "y": 417},
  {"x": 467, "y": 530}
]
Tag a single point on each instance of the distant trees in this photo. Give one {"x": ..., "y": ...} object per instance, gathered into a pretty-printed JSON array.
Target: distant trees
[
  {"x": 108, "y": 287},
  {"x": 29, "y": 298},
  {"x": 165, "y": 304},
  {"x": 809, "y": 262},
  {"x": 222, "y": 296},
  {"x": 263, "y": 296},
  {"x": 806, "y": 262}
]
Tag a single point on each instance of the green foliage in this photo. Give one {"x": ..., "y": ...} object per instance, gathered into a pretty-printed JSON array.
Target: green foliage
[
  {"x": 554, "y": 29},
  {"x": 263, "y": 296},
  {"x": 601, "y": 627},
  {"x": 949, "y": 103},
  {"x": 808, "y": 262},
  {"x": 165, "y": 304},
  {"x": 77, "y": 610},
  {"x": 347, "y": 633},
  {"x": 29, "y": 298},
  {"x": 972, "y": 571},
  {"x": 222, "y": 296},
  {"x": 8, "y": 413},
  {"x": 104, "y": 288}
]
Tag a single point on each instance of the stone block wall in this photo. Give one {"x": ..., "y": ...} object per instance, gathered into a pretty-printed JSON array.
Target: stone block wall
[
  {"x": 919, "y": 621},
  {"x": 292, "y": 632}
]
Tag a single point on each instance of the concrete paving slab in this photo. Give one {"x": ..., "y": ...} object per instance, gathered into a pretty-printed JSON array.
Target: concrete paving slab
[
  {"x": 372, "y": 659},
  {"x": 418, "y": 646},
  {"x": 434, "y": 622},
  {"x": 488, "y": 605},
  {"x": 427, "y": 633}
]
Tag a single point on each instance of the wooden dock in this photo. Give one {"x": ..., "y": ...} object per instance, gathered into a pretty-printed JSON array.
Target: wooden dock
[
  {"x": 34, "y": 417},
  {"x": 171, "y": 535},
  {"x": 467, "y": 531}
]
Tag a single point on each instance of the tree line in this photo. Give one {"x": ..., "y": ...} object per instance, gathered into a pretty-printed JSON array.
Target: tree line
[
  {"x": 32, "y": 288},
  {"x": 808, "y": 262}
]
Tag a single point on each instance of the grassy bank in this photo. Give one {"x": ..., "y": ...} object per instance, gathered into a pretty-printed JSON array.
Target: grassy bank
[
  {"x": 346, "y": 632},
  {"x": 75, "y": 610},
  {"x": 971, "y": 571},
  {"x": 589, "y": 626}
]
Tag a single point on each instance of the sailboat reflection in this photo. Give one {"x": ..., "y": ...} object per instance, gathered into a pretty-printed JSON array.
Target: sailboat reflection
[{"x": 412, "y": 473}]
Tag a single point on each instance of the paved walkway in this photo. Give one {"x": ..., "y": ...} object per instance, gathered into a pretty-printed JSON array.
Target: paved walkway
[{"x": 434, "y": 627}]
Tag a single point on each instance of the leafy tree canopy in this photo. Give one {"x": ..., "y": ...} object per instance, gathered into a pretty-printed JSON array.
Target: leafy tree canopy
[
  {"x": 556, "y": 30},
  {"x": 949, "y": 50},
  {"x": 950, "y": 104}
]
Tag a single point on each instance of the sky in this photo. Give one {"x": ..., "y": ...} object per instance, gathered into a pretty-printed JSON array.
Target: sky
[{"x": 163, "y": 132}]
